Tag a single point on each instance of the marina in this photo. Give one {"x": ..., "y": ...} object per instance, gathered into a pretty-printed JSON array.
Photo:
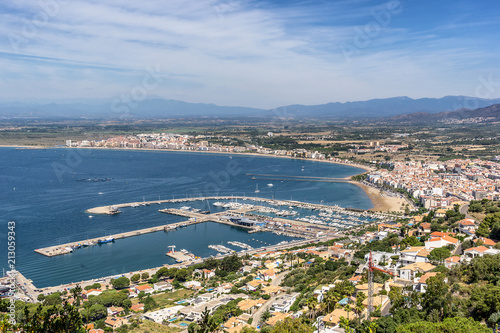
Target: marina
[
  {"x": 240, "y": 244},
  {"x": 235, "y": 215},
  {"x": 221, "y": 249},
  {"x": 47, "y": 205}
]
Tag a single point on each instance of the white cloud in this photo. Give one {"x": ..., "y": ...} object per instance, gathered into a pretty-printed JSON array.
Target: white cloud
[{"x": 227, "y": 52}]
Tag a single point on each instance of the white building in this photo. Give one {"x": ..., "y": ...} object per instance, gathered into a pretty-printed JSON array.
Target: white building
[
  {"x": 408, "y": 272},
  {"x": 162, "y": 286},
  {"x": 283, "y": 303},
  {"x": 164, "y": 314}
]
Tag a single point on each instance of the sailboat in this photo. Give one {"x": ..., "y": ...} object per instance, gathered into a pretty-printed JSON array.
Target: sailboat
[
  {"x": 257, "y": 188},
  {"x": 207, "y": 208}
]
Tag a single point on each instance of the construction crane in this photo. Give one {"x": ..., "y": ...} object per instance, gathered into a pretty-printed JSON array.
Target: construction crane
[
  {"x": 172, "y": 247},
  {"x": 372, "y": 268}
]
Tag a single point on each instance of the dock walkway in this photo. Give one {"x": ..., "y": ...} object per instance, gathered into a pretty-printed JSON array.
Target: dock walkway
[{"x": 299, "y": 229}]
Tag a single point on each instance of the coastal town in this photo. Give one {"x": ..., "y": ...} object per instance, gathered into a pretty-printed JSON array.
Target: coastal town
[
  {"x": 333, "y": 283},
  {"x": 435, "y": 184},
  {"x": 227, "y": 166},
  {"x": 352, "y": 270}
]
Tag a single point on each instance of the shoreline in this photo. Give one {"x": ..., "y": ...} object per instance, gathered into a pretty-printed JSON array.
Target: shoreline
[
  {"x": 380, "y": 203},
  {"x": 359, "y": 166},
  {"x": 106, "y": 280}
]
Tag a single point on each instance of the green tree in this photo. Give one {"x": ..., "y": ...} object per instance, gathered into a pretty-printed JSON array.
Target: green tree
[
  {"x": 344, "y": 323},
  {"x": 97, "y": 311},
  {"x": 53, "y": 299},
  {"x": 206, "y": 324},
  {"x": 127, "y": 303},
  {"x": 331, "y": 298},
  {"x": 265, "y": 316},
  {"x": 295, "y": 325},
  {"x": 93, "y": 286},
  {"x": 359, "y": 307},
  {"x": 438, "y": 255},
  {"x": 231, "y": 263},
  {"x": 437, "y": 297},
  {"x": 5, "y": 324},
  {"x": 145, "y": 276},
  {"x": 149, "y": 303},
  {"x": 120, "y": 283},
  {"x": 55, "y": 319},
  {"x": 485, "y": 301},
  {"x": 312, "y": 303},
  {"x": 210, "y": 263},
  {"x": 76, "y": 292},
  {"x": 135, "y": 277},
  {"x": 476, "y": 208},
  {"x": 449, "y": 325},
  {"x": 411, "y": 241},
  {"x": 483, "y": 230},
  {"x": 182, "y": 274}
]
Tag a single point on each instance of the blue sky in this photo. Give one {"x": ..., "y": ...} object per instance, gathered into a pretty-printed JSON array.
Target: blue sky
[{"x": 249, "y": 53}]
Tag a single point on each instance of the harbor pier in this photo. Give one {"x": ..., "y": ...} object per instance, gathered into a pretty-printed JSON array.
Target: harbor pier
[{"x": 279, "y": 225}]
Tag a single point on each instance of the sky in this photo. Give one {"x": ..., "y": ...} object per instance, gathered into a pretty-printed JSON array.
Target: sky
[{"x": 259, "y": 53}]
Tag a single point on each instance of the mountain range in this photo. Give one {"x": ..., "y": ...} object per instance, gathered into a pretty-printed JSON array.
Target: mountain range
[
  {"x": 155, "y": 108},
  {"x": 487, "y": 114}
]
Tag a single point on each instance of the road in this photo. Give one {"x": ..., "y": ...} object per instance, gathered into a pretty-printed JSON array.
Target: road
[
  {"x": 275, "y": 282},
  {"x": 464, "y": 209},
  {"x": 278, "y": 279}
]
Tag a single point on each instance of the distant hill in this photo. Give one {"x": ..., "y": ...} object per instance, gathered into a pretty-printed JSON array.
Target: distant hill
[
  {"x": 148, "y": 108},
  {"x": 376, "y": 108},
  {"x": 168, "y": 108},
  {"x": 487, "y": 114}
]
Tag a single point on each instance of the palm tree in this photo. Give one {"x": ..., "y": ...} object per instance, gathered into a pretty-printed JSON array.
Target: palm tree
[
  {"x": 322, "y": 307},
  {"x": 76, "y": 294},
  {"x": 359, "y": 307},
  {"x": 311, "y": 305},
  {"x": 328, "y": 300},
  {"x": 347, "y": 309},
  {"x": 344, "y": 323},
  {"x": 372, "y": 328},
  {"x": 335, "y": 298},
  {"x": 207, "y": 323}
]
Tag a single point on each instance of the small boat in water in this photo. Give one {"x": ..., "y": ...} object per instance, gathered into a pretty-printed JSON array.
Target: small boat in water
[{"x": 106, "y": 240}]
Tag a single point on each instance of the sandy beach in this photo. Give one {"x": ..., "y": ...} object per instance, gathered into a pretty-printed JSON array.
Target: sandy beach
[{"x": 382, "y": 202}]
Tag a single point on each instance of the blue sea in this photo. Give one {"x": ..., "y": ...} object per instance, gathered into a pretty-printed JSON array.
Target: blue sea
[{"x": 46, "y": 193}]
